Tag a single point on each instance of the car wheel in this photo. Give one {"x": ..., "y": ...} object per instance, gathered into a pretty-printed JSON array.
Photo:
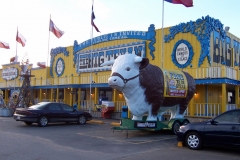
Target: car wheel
[
  {"x": 28, "y": 123},
  {"x": 43, "y": 121},
  {"x": 82, "y": 120},
  {"x": 185, "y": 122},
  {"x": 175, "y": 127},
  {"x": 193, "y": 140}
]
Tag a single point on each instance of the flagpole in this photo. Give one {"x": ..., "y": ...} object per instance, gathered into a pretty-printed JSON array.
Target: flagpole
[
  {"x": 91, "y": 68},
  {"x": 16, "y": 58},
  {"x": 162, "y": 30},
  {"x": 47, "y": 56}
]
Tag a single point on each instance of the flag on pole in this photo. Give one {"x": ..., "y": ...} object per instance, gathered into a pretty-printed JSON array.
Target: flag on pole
[
  {"x": 92, "y": 18},
  {"x": 4, "y": 45},
  {"x": 14, "y": 59},
  {"x": 186, "y": 3},
  {"x": 20, "y": 39},
  {"x": 41, "y": 64},
  {"x": 55, "y": 30}
]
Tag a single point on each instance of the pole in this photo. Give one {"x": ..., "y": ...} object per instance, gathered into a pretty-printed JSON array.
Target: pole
[
  {"x": 47, "y": 57},
  {"x": 162, "y": 30},
  {"x": 89, "y": 110},
  {"x": 16, "y": 58}
]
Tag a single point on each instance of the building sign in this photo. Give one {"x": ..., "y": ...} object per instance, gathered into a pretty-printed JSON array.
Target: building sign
[
  {"x": 59, "y": 67},
  {"x": 10, "y": 73},
  {"x": 175, "y": 83},
  {"x": 149, "y": 35},
  {"x": 102, "y": 55},
  {"x": 182, "y": 54},
  {"x": 140, "y": 124},
  {"x": 226, "y": 50}
]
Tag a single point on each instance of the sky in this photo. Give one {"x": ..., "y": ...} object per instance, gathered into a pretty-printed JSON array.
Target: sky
[{"x": 31, "y": 18}]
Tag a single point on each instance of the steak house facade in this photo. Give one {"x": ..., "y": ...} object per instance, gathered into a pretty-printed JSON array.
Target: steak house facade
[{"x": 200, "y": 47}]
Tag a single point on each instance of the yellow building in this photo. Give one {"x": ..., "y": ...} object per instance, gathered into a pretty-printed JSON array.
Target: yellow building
[{"x": 203, "y": 48}]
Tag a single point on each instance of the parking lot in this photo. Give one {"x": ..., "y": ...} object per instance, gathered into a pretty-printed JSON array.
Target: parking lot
[{"x": 95, "y": 140}]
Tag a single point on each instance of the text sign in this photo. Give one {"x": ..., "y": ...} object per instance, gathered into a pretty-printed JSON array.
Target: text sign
[
  {"x": 100, "y": 56},
  {"x": 175, "y": 83},
  {"x": 139, "y": 124},
  {"x": 9, "y": 73},
  {"x": 182, "y": 53}
]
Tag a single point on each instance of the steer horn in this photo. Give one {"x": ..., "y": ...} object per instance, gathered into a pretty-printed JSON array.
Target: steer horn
[{"x": 107, "y": 63}]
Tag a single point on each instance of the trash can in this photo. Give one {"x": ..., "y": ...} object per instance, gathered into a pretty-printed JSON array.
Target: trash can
[
  {"x": 75, "y": 107},
  {"x": 107, "y": 109},
  {"x": 124, "y": 111}
]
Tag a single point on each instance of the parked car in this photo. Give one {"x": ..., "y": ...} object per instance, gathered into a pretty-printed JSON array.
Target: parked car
[
  {"x": 223, "y": 130},
  {"x": 49, "y": 112}
]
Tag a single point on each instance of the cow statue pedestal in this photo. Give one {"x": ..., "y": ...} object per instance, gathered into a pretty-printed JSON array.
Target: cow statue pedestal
[
  {"x": 150, "y": 89},
  {"x": 129, "y": 124}
]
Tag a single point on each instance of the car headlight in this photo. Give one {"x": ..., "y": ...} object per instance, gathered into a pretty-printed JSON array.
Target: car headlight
[{"x": 182, "y": 128}]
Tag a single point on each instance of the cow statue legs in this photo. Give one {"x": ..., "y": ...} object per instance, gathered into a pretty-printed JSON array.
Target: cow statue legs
[
  {"x": 149, "y": 118},
  {"x": 174, "y": 113},
  {"x": 137, "y": 118}
]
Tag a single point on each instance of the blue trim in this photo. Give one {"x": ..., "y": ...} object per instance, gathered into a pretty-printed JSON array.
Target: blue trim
[
  {"x": 59, "y": 74},
  {"x": 101, "y": 85},
  {"x": 217, "y": 81},
  {"x": 143, "y": 35},
  {"x": 202, "y": 29},
  {"x": 190, "y": 54}
]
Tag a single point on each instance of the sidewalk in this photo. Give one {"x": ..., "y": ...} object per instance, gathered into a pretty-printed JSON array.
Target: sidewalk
[{"x": 98, "y": 120}]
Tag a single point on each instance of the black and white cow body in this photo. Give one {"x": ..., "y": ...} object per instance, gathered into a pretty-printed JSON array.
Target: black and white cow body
[{"x": 142, "y": 85}]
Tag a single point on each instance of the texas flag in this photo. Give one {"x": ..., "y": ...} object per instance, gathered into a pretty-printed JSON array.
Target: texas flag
[
  {"x": 4, "y": 45},
  {"x": 54, "y": 29},
  {"x": 14, "y": 59},
  {"x": 92, "y": 18},
  {"x": 41, "y": 64},
  {"x": 186, "y": 3},
  {"x": 20, "y": 39}
]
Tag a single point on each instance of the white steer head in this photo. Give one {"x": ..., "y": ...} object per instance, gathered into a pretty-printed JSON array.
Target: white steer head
[{"x": 125, "y": 71}]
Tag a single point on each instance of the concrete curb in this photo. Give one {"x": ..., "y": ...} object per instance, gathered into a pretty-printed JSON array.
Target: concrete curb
[
  {"x": 96, "y": 122},
  {"x": 180, "y": 144},
  {"x": 115, "y": 124}
]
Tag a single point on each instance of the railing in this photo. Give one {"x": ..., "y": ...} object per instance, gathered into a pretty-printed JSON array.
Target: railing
[
  {"x": 85, "y": 104},
  {"x": 231, "y": 106},
  {"x": 231, "y": 73},
  {"x": 214, "y": 72},
  {"x": 118, "y": 105},
  {"x": 53, "y": 100},
  {"x": 207, "y": 109},
  {"x": 200, "y": 109}
]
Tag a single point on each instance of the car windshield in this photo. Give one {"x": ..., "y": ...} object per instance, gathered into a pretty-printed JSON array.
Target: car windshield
[
  {"x": 38, "y": 106},
  {"x": 229, "y": 117}
]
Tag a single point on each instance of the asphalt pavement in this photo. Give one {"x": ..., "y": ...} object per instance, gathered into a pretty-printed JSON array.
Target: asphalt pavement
[{"x": 95, "y": 140}]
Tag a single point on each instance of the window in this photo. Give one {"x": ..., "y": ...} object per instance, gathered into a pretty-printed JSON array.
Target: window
[
  {"x": 66, "y": 107},
  {"x": 229, "y": 117},
  {"x": 54, "y": 107}
]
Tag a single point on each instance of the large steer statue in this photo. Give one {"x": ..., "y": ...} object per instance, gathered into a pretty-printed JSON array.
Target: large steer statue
[{"x": 144, "y": 88}]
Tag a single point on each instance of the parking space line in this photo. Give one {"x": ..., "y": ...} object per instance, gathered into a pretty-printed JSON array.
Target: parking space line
[{"x": 130, "y": 141}]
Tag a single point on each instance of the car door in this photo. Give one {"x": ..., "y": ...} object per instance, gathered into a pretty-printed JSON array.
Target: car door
[
  {"x": 224, "y": 130},
  {"x": 56, "y": 114},
  {"x": 69, "y": 114}
]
